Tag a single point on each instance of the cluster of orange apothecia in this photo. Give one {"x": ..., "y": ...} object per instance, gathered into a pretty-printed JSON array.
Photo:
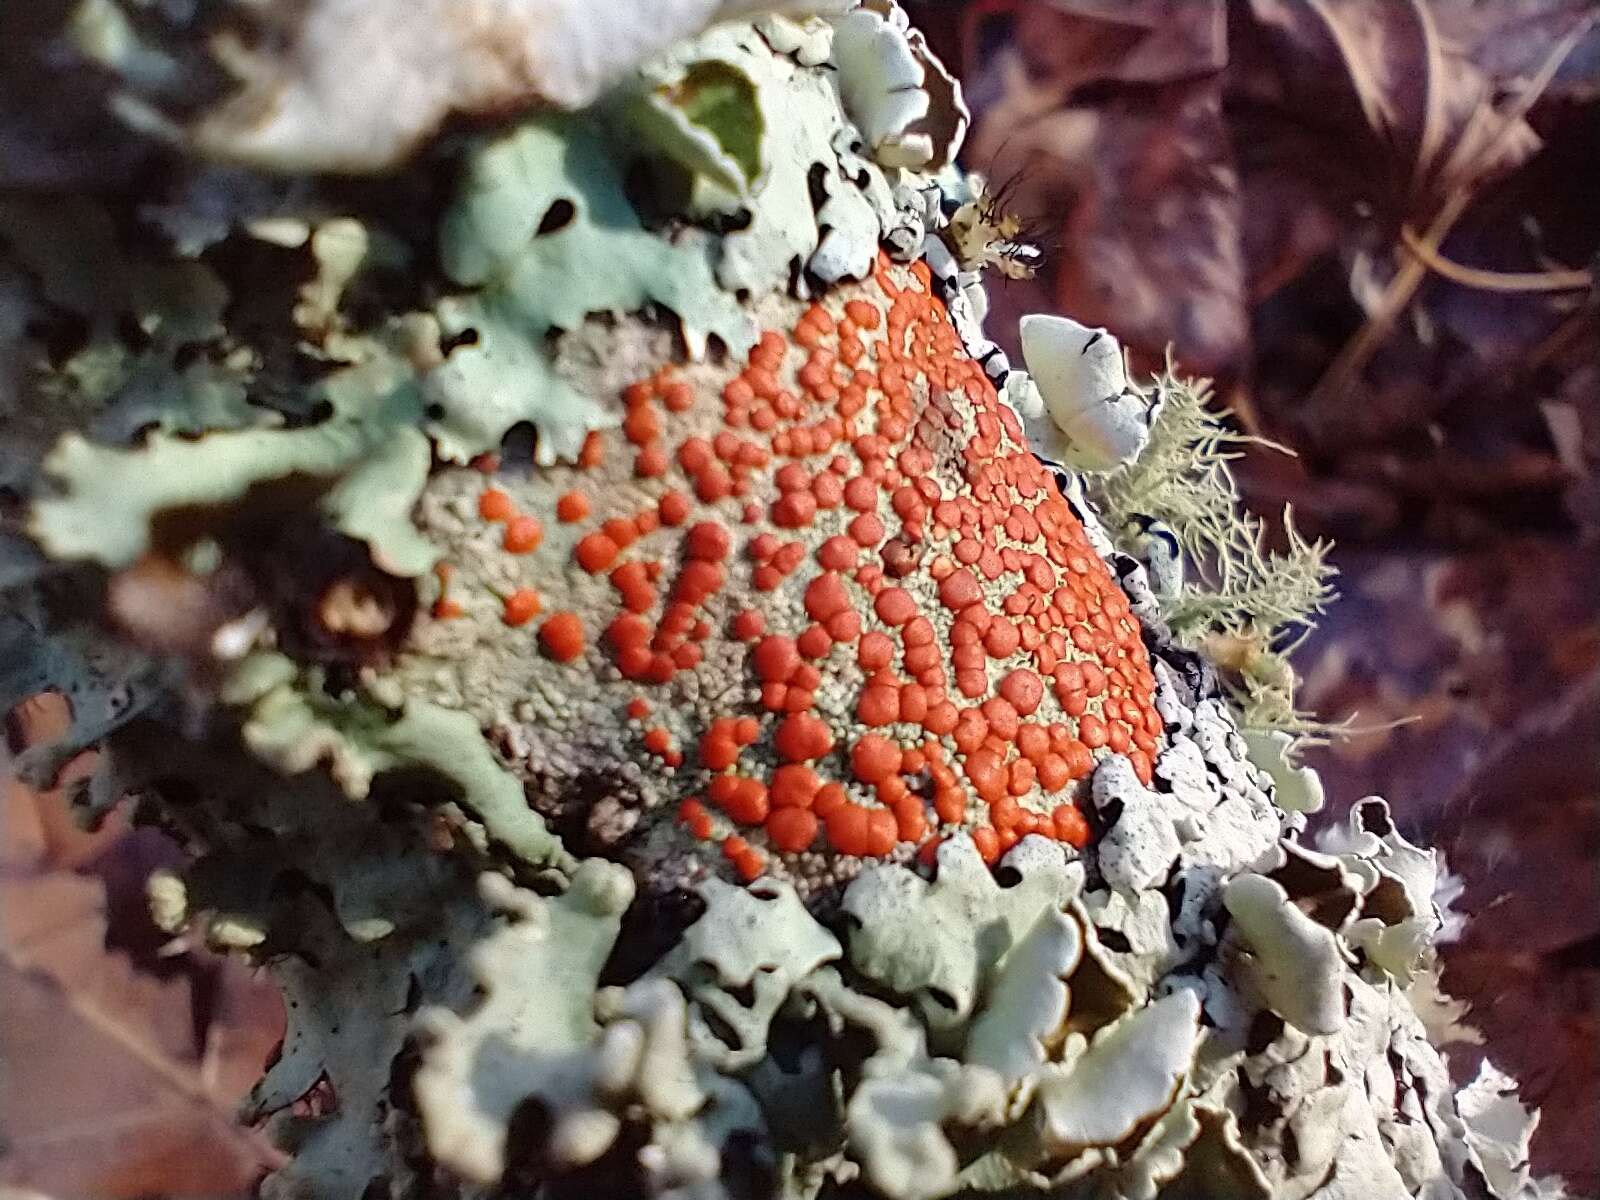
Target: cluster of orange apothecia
[{"x": 865, "y": 465}]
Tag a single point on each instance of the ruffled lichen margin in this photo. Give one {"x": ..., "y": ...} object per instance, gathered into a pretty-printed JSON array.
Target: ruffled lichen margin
[{"x": 244, "y": 540}]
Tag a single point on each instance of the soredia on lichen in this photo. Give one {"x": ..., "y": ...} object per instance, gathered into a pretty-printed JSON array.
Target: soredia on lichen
[{"x": 623, "y": 651}]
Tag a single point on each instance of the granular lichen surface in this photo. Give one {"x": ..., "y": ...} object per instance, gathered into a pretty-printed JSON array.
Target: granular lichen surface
[{"x": 821, "y": 604}]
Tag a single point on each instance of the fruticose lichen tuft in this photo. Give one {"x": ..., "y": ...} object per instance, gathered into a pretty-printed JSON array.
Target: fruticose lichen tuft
[
  {"x": 590, "y": 603},
  {"x": 1176, "y": 506}
]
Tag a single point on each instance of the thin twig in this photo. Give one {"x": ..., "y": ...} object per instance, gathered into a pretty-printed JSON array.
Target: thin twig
[
  {"x": 1358, "y": 351},
  {"x": 1493, "y": 281},
  {"x": 1560, "y": 339},
  {"x": 1397, "y": 296}
]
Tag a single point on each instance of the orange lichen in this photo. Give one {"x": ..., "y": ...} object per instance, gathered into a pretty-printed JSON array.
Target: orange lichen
[
  {"x": 572, "y": 507},
  {"x": 495, "y": 505},
  {"x": 523, "y": 535},
  {"x": 446, "y": 607},
  {"x": 975, "y": 653},
  {"x": 521, "y": 606},
  {"x": 561, "y": 637}
]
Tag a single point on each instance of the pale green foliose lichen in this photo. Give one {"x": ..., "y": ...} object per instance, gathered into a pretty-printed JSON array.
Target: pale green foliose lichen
[
  {"x": 707, "y": 115},
  {"x": 908, "y": 107},
  {"x": 540, "y": 208},
  {"x": 779, "y": 235},
  {"x": 534, "y": 1036},
  {"x": 738, "y": 963},
  {"x": 292, "y": 723},
  {"x": 109, "y": 498},
  {"x": 938, "y": 944},
  {"x": 334, "y": 92}
]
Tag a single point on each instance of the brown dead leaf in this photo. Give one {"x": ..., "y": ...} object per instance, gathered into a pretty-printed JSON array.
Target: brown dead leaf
[
  {"x": 1511, "y": 39},
  {"x": 1524, "y": 829},
  {"x": 1195, "y": 158},
  {"x": 121, "y": 1075},
  {"x": 1073, "y": 43},
  {"x": 89, "y": 1113},
  {"x": 1468, "y": 641},
  {"x": 106, "y": 1093},
  {"x": 1139, "y": 182},
  {"x": 1382, "y": 68},
  {"x": 36, "y": 827},
  {"x": 1436, "y": 137}
]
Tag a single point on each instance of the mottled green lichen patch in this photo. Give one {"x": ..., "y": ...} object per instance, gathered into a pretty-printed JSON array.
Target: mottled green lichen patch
[
  {"x": 533, "y": 1036},
  {"x": 292, "y": 722},
  {"x": 939, "y": 944},
  {"x": 544, "y": 231}
]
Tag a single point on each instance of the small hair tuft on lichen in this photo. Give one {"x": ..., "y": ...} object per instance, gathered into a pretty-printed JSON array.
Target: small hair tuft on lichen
[
  {"x": 1251, "y": 585},
  {"x": 1247, "y": 605},
  {"x": 1183, "y": 476}
]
